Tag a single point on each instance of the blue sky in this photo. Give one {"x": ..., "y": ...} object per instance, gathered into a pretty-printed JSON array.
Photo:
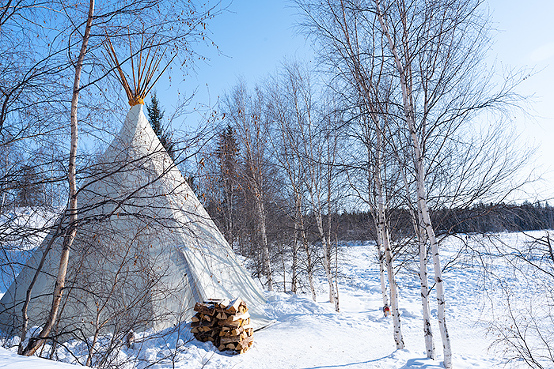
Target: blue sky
[
  {"x": 525, "y": 40},
  {"x": 254, "y": 37}
]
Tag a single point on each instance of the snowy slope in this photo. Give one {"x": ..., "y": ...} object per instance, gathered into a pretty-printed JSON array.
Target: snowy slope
[
  {"x": 21, "y": 230},
  {"x": 310, "y": 334}
]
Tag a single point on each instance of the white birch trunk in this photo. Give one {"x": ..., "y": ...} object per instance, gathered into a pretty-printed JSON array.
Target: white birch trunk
[
  {"x": 263, "y": 234},
  {"x": 326, "y": 260},
  {"x": 439, "y": 285},
  {"x": 381, "y": 256},
  {"x": 69, "y": 236},
  {"x": 383, "y": 234},
  {"x": 315, "y": 193},
  {"x": 314, "y": 190},
  {"x": 404, "y": 73},
  {"x": 398, "y": 339},
  {"x": 24, "y": 310},
  {"x": 308, "y": 258},
  {"x": 381, "y": 220},
  {"x": 334, "y": 282},
  {"x": 296, "y": 244},
  {"x": 293, "y": 282},
  {"x": 334, "y": 291},
  {"x": 282, "y": 252},
  {"x": 423, "y": 278},
  {"x": 427, "y": 331}
]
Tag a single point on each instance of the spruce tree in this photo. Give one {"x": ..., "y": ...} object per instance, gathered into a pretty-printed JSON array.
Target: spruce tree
[
  {"x": 30, "y": 187},
  {"x": 155, "y": 116},
  {"x": 227, "y": 154}
]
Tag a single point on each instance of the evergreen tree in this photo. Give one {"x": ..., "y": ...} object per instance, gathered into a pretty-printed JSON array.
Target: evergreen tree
[
  {"x": 30, "y": 187},
  {"x": 227, "y": 152},
  {"x": 155, "y": 116}
]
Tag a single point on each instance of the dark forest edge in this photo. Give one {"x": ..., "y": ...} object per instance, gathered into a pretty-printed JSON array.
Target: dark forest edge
[{"x": 478, "y": 219}]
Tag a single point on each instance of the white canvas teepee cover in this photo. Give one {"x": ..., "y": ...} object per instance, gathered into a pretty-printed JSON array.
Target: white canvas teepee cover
[{"x": 145, "y": 252}]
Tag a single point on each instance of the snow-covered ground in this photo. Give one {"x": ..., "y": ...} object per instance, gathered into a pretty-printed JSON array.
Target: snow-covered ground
[{"x": 309, "y": 334}]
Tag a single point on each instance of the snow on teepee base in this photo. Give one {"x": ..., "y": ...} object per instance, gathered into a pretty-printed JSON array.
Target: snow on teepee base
[{"x": 145, "y": 251}]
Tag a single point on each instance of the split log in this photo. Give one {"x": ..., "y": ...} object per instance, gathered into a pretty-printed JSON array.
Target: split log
[
  {"x": 242, "y": 316},
  {"x": 238, "y": 338},
  {"x": 227, "y": 331},
  {"x": 201, "y": 317},
  {"x": 236, "y": 306},
  {"x": 235, "y": 320},
  {"x": 202, "y": 324},
  {"x": 245, "y": 343},
  {"x": 207, "y": 309},
  {"x": 245, "y": 347},
  {"x": 235, "y": 339}
]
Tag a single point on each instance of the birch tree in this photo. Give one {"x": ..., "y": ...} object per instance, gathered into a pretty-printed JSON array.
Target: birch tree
[
  {"x": 88, "y": 76},
  {"x": 431, "y": 53},
  {"x": 350, "y": 48},
  {"x": 245, "y": 112},
  {"x": 331, "y": 121},
  {"x": 69, "y": 236},
  {"x": 281, "y": 109},
  {"x": 317, "y": 166},
  {"x": 426, "y": 76}
]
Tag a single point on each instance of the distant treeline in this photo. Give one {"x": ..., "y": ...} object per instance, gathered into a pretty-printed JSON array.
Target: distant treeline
[{"x": 481, "y": 218}]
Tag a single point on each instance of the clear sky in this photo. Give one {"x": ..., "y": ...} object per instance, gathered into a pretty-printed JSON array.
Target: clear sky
[
  {"x": 525, "y": 39},
  {"x": 254, "y": 37}
]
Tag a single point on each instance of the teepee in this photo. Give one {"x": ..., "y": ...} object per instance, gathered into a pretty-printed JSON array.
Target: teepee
[{"x": 145, "y": 251}]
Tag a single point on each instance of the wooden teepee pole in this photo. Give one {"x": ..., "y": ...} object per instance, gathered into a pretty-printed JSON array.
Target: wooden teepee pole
[{"x": 145, "y": 70}]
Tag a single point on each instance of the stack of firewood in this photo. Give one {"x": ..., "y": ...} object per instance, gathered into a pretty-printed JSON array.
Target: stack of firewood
[
  {"x": 204, "y": 325},
  {"x": 224, "y": 323}
]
